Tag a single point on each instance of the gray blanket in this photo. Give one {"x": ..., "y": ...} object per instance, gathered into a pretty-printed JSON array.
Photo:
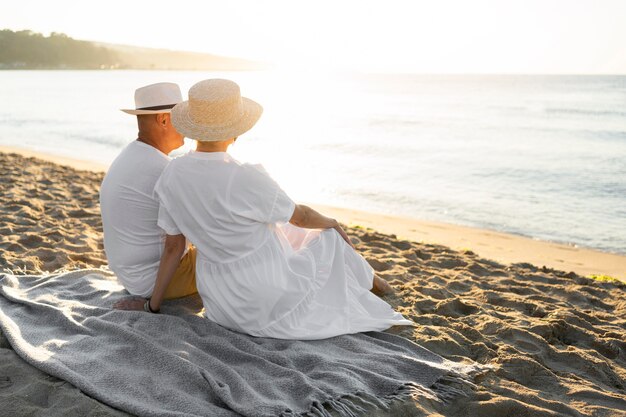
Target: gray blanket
[{"x": 181, "y": 364}]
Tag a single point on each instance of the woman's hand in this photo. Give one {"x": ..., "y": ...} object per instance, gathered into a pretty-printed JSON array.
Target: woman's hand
[{"x": 344, "y": 235}]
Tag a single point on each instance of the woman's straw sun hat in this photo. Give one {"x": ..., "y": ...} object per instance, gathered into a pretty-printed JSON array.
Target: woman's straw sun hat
[{"x": 215, "y": 111}]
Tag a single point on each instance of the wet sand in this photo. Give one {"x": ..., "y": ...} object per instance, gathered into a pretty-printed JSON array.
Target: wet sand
[{"x": 556, "y": 340}]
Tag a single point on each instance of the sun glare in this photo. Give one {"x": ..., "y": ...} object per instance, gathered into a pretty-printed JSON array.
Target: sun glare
[{"x": 371, "y": 36}]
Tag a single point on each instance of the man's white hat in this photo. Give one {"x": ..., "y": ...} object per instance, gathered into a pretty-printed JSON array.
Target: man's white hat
[
  {"x": 215, "y": 111},
  {"x": 156, "y": 98}
]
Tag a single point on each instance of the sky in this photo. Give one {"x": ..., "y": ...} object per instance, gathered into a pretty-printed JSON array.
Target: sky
[{"x": 435, "y": 36}]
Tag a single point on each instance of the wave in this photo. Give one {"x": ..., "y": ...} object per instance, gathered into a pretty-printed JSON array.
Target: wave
[
  {"x": 586, "y": 112},
  {"x": 540, "y": 109}
]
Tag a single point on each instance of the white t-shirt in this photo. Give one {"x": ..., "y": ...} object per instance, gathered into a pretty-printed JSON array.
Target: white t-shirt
[{"x": 133, "y": 241}]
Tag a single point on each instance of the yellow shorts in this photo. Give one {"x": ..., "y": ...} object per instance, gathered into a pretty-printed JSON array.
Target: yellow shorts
[{"x": 184, "y": 281}]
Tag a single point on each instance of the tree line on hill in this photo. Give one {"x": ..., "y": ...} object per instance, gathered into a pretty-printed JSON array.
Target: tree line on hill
[
  {"x": 26, "y": 49},
  {"x": 30, "y": 50}
]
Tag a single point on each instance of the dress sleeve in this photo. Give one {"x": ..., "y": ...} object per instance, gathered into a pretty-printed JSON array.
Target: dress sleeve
[
  {"x": 164, "y": 219},
  {"x": 166, "y": 222},
  {"x": 256, "y": 196}
]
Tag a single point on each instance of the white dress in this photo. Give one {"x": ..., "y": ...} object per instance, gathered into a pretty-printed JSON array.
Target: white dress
[{"x": 255, "y": 272}]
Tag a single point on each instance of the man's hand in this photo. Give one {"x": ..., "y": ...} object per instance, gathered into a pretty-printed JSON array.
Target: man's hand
[{"x": 130, "y": 303}]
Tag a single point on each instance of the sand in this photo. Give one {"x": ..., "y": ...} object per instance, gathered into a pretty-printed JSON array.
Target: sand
[
  {"x": 50, "y": 216},
  {"x": 556, "y": 340}
]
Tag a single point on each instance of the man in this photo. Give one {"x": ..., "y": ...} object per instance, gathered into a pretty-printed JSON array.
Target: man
[{"x": 132, "y": 240}]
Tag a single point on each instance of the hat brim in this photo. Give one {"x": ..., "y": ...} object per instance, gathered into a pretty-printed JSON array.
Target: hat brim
[
  {"x": 139, "y": 112},
  {"x": 183, "y": 123}
]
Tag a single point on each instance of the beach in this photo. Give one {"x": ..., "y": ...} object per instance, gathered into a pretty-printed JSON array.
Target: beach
[{"x": 555, "y": 337}]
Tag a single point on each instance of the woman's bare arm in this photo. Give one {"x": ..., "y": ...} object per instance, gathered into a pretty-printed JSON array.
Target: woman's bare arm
[
  {"x": 170, "y": 259},
  {"x": 305, "y": 217}
]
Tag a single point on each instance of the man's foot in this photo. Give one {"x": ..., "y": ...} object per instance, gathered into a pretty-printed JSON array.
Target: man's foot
[{"x": 382, "y": 287}]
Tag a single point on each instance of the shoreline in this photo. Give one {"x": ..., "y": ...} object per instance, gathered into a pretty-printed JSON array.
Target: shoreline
[
  {"x": 80, "y": 164},
  {"x": 498, "y": 246}
]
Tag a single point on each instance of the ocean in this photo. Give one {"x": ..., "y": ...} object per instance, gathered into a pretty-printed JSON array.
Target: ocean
[{"x": 542, "y": 156}]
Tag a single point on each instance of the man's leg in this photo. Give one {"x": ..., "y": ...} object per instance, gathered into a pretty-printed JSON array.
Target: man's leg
[{"x": 184, "y": 281}]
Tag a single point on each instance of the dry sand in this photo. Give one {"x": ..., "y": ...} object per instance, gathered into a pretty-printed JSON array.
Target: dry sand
[
  {"x": 50, "y": 216},
  {"x": 556, "y": 340}
]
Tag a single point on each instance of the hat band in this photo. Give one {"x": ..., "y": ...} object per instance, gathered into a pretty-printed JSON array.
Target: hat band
[{"x": 162, "y": 107}]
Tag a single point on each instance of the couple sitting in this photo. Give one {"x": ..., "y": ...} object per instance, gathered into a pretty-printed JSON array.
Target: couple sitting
[{"x": 262, "y": 264}]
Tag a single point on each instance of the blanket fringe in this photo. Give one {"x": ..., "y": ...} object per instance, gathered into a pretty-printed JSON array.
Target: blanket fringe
[{"x": 447, "y": 388}]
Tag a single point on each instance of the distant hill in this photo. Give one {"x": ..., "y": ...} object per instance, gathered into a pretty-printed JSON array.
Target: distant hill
[
  {"x": 29, "y": 50},
  {"x": 149, "y": 58}
]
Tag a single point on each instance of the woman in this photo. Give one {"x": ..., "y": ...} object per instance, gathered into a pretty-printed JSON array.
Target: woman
[{"x": 265, "y": 265}]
